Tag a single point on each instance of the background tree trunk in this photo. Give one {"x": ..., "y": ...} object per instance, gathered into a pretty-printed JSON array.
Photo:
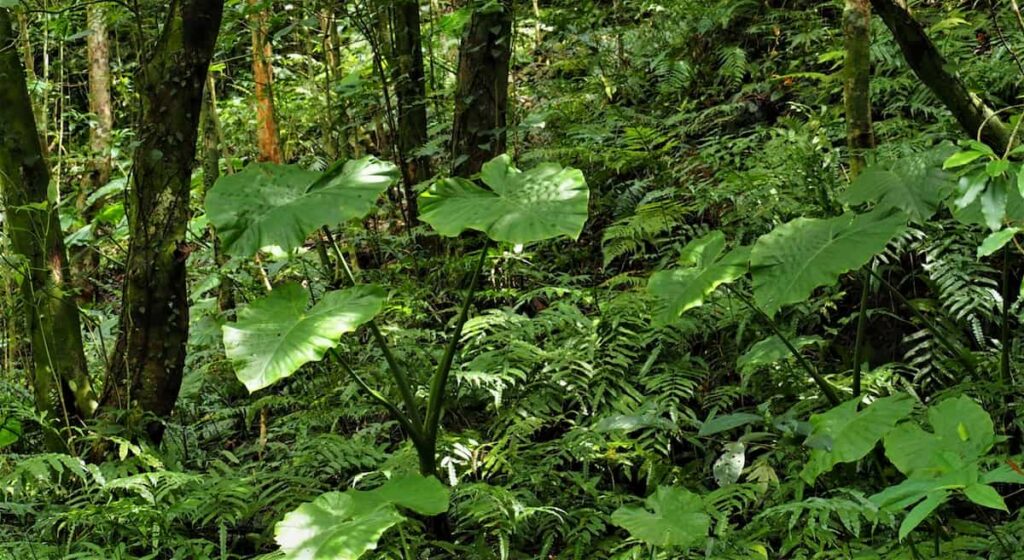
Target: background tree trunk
[
  {"x": 268, "y": 134},
  {"x": 857, "y": 86},
  {"x": 60, "y": 377},
  {"x": 150, "y": 352},
  {"x": 931, "y": 68},
  {"x": 212, "y": 154},
  {"x": 481, "y": 94},
  {"x": 411, "y": 91},
  {"x": 85, "y": 261}
]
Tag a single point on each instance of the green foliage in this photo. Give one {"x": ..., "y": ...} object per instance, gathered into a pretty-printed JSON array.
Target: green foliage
[
  {"x": 269, "y": 205},
  {"x": 277, "y": 334},
  {"x": 520, "y": 207},
  {"x": 704, "y": 269},
  {"x": 345, "y": 525},
  {"x": 672, "y": 517}
]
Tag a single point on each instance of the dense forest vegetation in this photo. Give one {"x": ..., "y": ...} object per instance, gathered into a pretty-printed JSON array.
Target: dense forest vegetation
[{"x": 498, "y": 279}]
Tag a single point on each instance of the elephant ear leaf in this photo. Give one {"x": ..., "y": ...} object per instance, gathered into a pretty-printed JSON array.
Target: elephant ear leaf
[
  {"x": 671, "y": 517},
  {"x": 276, "y": 335},
  {"x": 346, "y": 525},
  {"x": 271, "y": 205},
  {"x": 520, "y": 207},
  {"x": 794, "y": 259},
  {"x": 703, "y": 268}
]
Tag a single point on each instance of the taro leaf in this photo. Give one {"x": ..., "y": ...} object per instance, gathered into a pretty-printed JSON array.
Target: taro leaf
[
  {"x": 853, "y": 434},
  {"x": 793, "y": 260},
  {"x": 702, "y": 270},
  {"x": 672, "y": 517},
  {"x": 770, "y": 351},
  {"x": 915, "y": 185},
  {"x": 270, "y": 205},
  {"x": 10, "y": 431},
  {"x": 520, "y": 206},
  {"x": 345, "y": 525},
  {"x": 963, "y": 433},
  {"x": 275, "y": 335}
]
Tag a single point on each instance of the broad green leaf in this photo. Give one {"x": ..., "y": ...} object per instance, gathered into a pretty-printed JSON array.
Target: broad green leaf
[
  {"x": 702, "y": 270},
  {"x": 986, "y": 496},
  {"x": 345, "y": 525},
  {"x": 672, "y": 517},
  {"x": 997, "y": 167},
  {"x": 961, "y": 159},
  {"x": 793, "y": 260},
  {"x": 963, "y": 433},
  {"x": 914, "y": 185},
  {"x": 520, "y": 207},
  {"x": 726, "y": 422},
  {"x": 996, "y": 241},
  {"x": 993, "y": 203},
  {"x": 270, "y": 205},
  {"x": 970, "y": 188},
  {"x": 632, "y": 422},
  {"x": 921, "y": 512},
  {"x": 10, "y": 431},
  {"x": 770, "y": 351},
  {"x": 853, "y": 434},
  {"x": 276, "y": 334}
]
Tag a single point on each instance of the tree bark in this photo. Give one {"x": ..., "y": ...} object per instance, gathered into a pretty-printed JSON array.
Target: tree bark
[
  {"x": 411, "y": 91},
  {"x": 269, "y": 136},
  {"x": 212, "y": 154},
  {"x": 150, "y": 352},
  {"x": 932, "y": 69},
  {"x": 857, "y": 85},
  {"x": 85, "y": 261},
  {"x": 481, "y": 94},
  {"x": 60, "y": 377}
]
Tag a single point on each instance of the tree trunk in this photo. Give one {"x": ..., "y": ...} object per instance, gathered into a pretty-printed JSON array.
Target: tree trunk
[
  {"x": 212, "y": 154},
  {"x": 932, "y": 69},
  {"x": 481, "y": 94},
  {"x": 411, "y": 91},
  {"x": 150, "y": 351},
  {"x": 85, "y": 261},
  {"x": 60, "y": 377},
  {"x": 269, "y": 137},
  {"x": 857, "y": 86}
]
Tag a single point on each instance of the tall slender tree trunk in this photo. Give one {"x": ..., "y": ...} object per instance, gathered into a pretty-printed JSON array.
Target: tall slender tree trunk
[
  {"x": 932, "y": 69},
  {"x": 857, "y": 82},
  {"x": 85, "y": 262},
  {"x": 212, "y": 153},
  {"x": 150, "y": 351},
  {"x": 411, "y": 91},
  {"x": 60, "y": 377},
  {"x": 268, "y": 134},
  {"x": 481, "y": 94}
]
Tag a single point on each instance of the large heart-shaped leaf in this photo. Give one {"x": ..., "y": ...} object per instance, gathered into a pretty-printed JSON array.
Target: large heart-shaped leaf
[
  {"x": 702, "y": 270},
  {"x": 520, "y": 207},
  {"x": 963, "y": 433},
  {"x": 276, "y": 335},
  {"x": 672, "y": 517},
  {"x": 851, "y": 434},
  {"x": 345, "y": 525},
  {"x": 797, "y": 257},
  {"x": 916, "y": 185},
  {"x": 271, "y": 205}
]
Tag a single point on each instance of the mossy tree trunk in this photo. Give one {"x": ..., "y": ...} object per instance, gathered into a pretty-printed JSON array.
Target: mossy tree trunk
[
  {"x": 60, "y": 374},
  {"x": 149, "y": 355},
  {"x": 268, "y": 134},
  {"x": 857, "y": 82},
  {"x": 932, "y": 69},
  {"x": 411, "y": 91},
  {"x": 481, "y": 94}
]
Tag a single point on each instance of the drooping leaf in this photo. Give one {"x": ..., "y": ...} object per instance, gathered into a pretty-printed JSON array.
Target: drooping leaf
[
  {"x": 793, "y": 260},
  {"x": 702, "y": 269},
  {"x": 345, "y": 525},
  {"x": 915, "y": 185},
  {"x": 770, "y": 351},
  {"x": 921, "y": 512},
  {"x": 996, "y": 241},
  {"x": 672, "y": 517},
  {"x": 852, "y": 433},
  {"x": 726, "y": 422},
  {"x": 10, "y": 430},
  {"x": 520, "y": 207},
  {"x": 993, "y": 203},
  {"x": 270, "y": 205},
  {"x": 276, "y": 334}
]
